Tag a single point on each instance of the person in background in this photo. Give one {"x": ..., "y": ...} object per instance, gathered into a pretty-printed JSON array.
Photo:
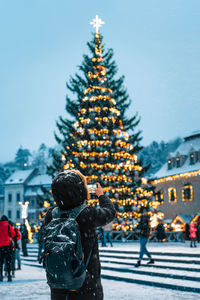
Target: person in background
[
  {"x": 160, "y": 231},
  {"x": 193, "y": 235},
  {"x": 100, "y": 236},
  {"x": 17, "y": 247},
  {"x": 107, "y": 229},
  {"x": 187, "y": 232},
  {"x": 144, "y": 231},
  {"x": 24, "y": 239},
  {"x": 13, "y": 249},
  {"x": 7, "y": 234}
]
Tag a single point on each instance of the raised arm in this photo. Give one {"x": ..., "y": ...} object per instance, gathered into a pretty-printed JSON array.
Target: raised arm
[{"x": 103, "y": 215}]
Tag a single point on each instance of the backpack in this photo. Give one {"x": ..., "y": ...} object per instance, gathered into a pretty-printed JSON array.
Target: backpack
[{"x": 63, "y": 254}]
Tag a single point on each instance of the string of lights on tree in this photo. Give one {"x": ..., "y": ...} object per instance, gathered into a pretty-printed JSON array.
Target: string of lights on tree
[{"x": 97, "y": 142}]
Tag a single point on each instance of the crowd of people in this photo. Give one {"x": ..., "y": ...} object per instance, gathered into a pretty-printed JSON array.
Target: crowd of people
[{"x": 12, "y": 239}]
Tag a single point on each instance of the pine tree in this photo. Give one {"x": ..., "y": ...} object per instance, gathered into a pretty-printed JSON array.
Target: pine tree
[
  {"x": 40, "y": 159},
  {"x": 101, "y": 141},
  {"x": 22, "y": 158}
]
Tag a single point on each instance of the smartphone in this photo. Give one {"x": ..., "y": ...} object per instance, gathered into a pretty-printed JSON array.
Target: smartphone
[{"x": 92, "y": 188}]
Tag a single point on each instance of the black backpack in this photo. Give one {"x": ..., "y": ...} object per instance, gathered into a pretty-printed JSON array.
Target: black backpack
[{"x": 64, "y": 264}]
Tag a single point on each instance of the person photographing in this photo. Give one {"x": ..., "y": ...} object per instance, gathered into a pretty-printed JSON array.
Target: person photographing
[{"x": 70, "y": 193}]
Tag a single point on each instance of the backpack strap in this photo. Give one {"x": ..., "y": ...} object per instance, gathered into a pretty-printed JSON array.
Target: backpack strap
[
  {"x": 9, "y": 233},
  {"x": 73, "y": 213}
]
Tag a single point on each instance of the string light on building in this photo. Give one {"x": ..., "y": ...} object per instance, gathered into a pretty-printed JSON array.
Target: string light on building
[{"x": 176, "y": 177}]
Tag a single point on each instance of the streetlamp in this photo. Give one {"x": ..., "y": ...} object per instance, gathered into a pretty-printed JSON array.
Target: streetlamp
[
  {"x": 24, "y": 209},
  {"x": 24, "y": 216}
]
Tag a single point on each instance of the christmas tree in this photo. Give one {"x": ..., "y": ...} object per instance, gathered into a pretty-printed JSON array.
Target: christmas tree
[{"x": 101, "y": 141}]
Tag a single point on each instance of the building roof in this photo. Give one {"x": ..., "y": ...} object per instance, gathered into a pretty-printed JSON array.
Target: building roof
[
  {"x": 164, "y": 172},
  {"x": 33, "y": 191},
  {"x": 186, "y": 218},
  {"x": 40, "y": 180},
  {"x": 191, "y": 143},
  {"x": 33, "y": 187},
  {"x": 19, "y": 177},
  {"x": 167, "y": 221}
]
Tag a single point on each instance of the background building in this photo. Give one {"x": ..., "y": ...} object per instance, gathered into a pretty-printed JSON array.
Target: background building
[
  {"x": 178, "y": 181},
  {"x": 22, "y": 186}
]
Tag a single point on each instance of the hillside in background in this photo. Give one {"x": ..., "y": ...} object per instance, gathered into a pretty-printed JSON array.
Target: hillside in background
[{"x": 156, "y": 154}]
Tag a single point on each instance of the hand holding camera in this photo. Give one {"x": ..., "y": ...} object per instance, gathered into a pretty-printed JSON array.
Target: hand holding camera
[{"x": 95, "y": 188}]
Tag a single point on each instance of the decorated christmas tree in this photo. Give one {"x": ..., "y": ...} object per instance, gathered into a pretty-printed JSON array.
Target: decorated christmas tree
[{"x": 101, "y": 141}]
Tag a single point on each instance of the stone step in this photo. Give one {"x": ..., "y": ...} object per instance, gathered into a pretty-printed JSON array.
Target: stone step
[
  {"x": 183, "y": 275},
  {"x": 169, "y": 283},
  {"x": 172, "y": 254},
  {"x": 170, "y": 266},
  {"x": 157, "y": 258}
]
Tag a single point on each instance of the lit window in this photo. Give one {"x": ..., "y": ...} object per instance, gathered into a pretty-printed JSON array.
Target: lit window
[
  {"x": 192, "y": 160},
  {"x": 169, "y": 164},
  {"x": 172, "y": 195},
  {"x": 159, "y": 196},
  {"x": 187, "y": 193},
  {"x": 178, "y": 162}
]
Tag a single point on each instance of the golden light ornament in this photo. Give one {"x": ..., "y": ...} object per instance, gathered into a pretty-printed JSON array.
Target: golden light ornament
[{"x": 46, "y": 204}]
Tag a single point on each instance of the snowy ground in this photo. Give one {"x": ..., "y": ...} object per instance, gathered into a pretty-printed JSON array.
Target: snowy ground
[{"x": 30, "y": 284}]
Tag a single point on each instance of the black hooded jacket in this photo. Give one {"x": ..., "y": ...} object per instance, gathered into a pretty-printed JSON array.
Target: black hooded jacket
[{"x": 88, "y": 220}]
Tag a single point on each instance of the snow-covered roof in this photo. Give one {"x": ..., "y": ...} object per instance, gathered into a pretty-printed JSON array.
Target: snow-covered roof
[
  {"x": 33, "y": 191},
  {"x": 186, "y": 218},
  {"x": 167, "y": 221},
  {"x": 40, "y": 180},
  {"x": 19, "y": 177},
  {"x": 191, "y": 143},
  {"x": 164, "y": 172},
  {"x": 188, "y": 145}
]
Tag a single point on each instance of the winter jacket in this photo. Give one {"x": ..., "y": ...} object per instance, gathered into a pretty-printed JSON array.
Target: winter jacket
[
  {"x": 193, "y": 231},
  {"x": 5, "y": 239},
  {"x": 88, "y": 220},
  {"x": 24, "y": 233},
  {"x": 144, "y": 228}
]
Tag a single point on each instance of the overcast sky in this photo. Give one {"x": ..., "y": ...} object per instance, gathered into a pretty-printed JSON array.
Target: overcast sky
[{"x": 156, "y": 46}]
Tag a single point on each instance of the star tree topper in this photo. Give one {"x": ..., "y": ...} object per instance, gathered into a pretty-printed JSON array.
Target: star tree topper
[{"x": 97, "y": 22}]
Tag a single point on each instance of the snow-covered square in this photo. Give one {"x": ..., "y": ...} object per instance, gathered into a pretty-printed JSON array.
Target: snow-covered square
[{"x": 30, "y": 282}]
